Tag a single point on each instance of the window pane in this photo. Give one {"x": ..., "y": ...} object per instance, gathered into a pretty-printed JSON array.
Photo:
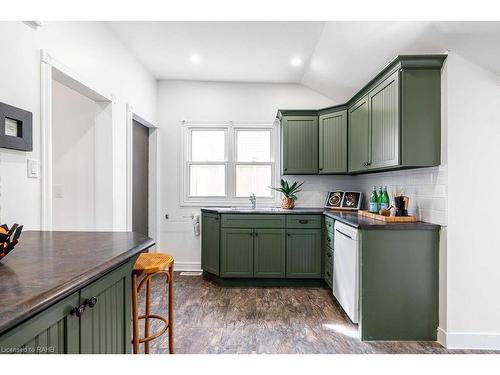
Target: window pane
[
  {"x": 207, "y": 145},
  {"x": 207, "y": 180},
  {"x": 253, "y": 145},
  {"x": 253, "y": 179}
]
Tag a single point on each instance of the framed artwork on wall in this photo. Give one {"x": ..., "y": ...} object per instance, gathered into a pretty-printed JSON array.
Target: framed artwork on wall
[
  {"x": 344, "y": 200},
  {"x": 16, "y": 128}
]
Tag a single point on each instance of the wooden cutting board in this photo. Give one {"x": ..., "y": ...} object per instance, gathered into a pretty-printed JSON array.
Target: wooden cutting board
[{"x": 388, "y": 219}]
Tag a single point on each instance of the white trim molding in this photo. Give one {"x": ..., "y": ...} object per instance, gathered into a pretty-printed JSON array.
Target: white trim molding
[
  {"x": 187, "y": 266},
  {"x": 469, "y": 340}
]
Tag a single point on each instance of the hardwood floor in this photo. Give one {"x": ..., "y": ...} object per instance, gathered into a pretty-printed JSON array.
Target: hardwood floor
[{"x": 214, "y": 319}]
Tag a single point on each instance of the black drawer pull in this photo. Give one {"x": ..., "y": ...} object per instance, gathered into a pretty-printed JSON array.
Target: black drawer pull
[
  {"x": 328, "y": 273},
  {"x": 328, "y": 255},
  {"x": 91, "y": 302},
  {"x": 303, "y": 221},
  {"x": 329, "y": 239},
  {"x": 78, "y": 311}
]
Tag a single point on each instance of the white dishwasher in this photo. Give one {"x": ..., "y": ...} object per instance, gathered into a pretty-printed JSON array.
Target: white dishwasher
[{"x": 346, "y": 269}]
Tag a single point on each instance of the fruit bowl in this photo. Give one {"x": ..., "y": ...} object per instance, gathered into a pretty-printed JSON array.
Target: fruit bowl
[{"x": 9, "y": 238}]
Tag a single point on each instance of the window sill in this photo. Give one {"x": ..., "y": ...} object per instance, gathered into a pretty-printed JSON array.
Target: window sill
[{"x": 267, "y": 203}]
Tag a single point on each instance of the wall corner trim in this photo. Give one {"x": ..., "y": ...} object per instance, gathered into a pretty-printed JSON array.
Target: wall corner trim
[{"x": 468, "y": 340}]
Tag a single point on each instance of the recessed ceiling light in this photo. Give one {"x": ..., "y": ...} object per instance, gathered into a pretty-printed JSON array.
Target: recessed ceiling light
[
  {"x": 195, "y": 59},
  {"x": 296, "y": 61}
]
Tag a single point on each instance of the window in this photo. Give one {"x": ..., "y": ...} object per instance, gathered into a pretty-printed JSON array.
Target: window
[{"x": 226, "y": 164}]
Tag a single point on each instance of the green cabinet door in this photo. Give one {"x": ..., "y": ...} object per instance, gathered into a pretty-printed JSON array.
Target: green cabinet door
[
  {"x": 333, "y": 142},
  {"x": 359, "y": 134},
  {"x": 384, "y": 123},
  {"x": 236, "y": 252},
  {"x": 53, "y": 330},
  {"x": 269, "y": 253},
  {"x": 105, "y": 327},
  {"x": 300, "y": 144},
  {"x": 303, "y": 253},
  {"x": 210, "y": 243}
]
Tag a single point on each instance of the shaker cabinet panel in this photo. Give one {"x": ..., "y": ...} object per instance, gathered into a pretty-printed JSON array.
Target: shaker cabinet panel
[
  {"x": 384, "y": 123},
  {"x": 269, "y": 253},
  {"x": 300, "y": 144},
  {"x": 237, "y": 252},
  {"x": 210, "y": 243},
  {"x": 333, "y": 143},
  {"x": 359, "y": 132}
]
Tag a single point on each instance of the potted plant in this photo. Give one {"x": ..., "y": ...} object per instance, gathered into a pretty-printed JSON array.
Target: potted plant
[{"x": 289, "y": 193}]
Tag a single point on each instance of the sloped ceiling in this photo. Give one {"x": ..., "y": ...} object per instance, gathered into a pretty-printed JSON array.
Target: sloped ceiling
[{"x": 338, "y": 57}]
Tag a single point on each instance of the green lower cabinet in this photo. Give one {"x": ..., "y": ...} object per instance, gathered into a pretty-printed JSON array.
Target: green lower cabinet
[
  {"x": 329, "y": 274},
  {"x": 210, "y": 225},
  {"x": 399, "y": 284},
  {"x": 269, "y": 253},
  {"x": 106, "y": 326},
  {"x": 103, "y": 328},
  {"x": 236, "y": 252},
  {"x": 303, "y": 253},
  {"x": 53, "y": 330}
]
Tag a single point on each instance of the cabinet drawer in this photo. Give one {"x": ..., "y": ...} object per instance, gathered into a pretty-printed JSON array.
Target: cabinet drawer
[
  {"x": 329, "y": 224},
  {"x": 329, "y": 239},
  {"x": 303, "y": 221},
  {"x": 328, "y": 255},
  {"x": 328, "y": 274},
  {"x": 253, "y": 221}
]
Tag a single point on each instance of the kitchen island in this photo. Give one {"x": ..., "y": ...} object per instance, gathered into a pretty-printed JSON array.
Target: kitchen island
[{"x": 68, "y": 292}]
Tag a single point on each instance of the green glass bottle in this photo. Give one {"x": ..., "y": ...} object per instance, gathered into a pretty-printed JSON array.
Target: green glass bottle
[
  {"x": 384, "y": 199},
  {"x": 374, "y": 201}
]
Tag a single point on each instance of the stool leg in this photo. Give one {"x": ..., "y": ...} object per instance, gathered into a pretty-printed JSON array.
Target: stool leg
[
  {"x": 171, "y": 309},
  {"x": 135, "y": 313},
  {"x": 146, "y": 325}
]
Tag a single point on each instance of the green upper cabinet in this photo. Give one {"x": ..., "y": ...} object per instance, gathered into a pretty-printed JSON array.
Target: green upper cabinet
[
  {"x": 299, "y": 144},
  {"x": 269, "y": 253},
  {"x": 210, "y": 242},
  {"x": 393, "y": 122},
  {"x": 359, "y": 135},
  {"x": 333, "y": 142},
  {"x": 236, "y": 252},
  {"x": 384, "y": 123}
]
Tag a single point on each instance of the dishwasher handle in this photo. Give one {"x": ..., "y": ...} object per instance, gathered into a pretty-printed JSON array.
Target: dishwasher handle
[{"x": 342, "y": 233}]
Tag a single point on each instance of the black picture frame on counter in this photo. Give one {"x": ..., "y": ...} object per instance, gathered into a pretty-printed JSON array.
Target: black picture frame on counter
[{"x": 16, "y": 128}]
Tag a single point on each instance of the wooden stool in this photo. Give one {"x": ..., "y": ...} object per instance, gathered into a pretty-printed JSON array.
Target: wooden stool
[{"x": 147, "y": 266}]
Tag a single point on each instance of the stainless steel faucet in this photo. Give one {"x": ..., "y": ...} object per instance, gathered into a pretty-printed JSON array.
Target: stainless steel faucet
[{"x": 253, "y": 200}]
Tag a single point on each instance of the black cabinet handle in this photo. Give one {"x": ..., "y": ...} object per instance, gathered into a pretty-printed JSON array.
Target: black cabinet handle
[
  {"x": 328, "y": 273},
  {"x": 303, "y": 221},
  {"x": 78, "y": 311},
  {"x": 90, "y": 302},
  {"x": 329, "y": 239},
  {"x": 288, "y": 234},
  {"x": 251, "y": 234},
  {"x": 328, "y": 255},
  {"x": 256, "y": 234}
]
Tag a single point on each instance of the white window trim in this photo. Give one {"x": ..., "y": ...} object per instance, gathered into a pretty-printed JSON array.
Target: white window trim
[{"x": 230, "y": 163}]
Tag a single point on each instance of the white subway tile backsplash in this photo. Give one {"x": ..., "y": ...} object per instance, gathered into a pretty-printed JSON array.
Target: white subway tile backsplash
[{"x": 427, "y": 189}]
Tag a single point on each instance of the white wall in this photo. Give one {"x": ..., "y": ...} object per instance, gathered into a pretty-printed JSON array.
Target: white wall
[
  {"x": 73, "y": 156},
  {"x": 473, "y": 180},
  {"x": 208, "y": 101},
  {"x": 92, "y": 52}
]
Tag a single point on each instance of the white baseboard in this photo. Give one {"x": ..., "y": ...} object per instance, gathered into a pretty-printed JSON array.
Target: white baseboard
[
  {"x": 467, "y": 340},
  {"x": 187, "y": 266}
]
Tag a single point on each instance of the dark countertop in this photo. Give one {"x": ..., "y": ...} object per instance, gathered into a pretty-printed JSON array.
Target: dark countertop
[
  {"x": 45, "y": 267},
  {"x": 350, "y": 218}
]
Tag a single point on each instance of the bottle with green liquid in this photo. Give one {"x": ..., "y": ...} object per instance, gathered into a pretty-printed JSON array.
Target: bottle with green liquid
[
  {"x": 374, "y": 201},
  {"x": 383, "y": 198}
]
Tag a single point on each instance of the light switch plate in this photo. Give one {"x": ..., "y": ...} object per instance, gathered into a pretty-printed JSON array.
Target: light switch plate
[
  {"x": 32, "y": 168},
  {"x": 58, "y": 191}
]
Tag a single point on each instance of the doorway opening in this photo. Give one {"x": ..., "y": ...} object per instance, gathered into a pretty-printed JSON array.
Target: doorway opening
[{"x": 77, "y": 157}]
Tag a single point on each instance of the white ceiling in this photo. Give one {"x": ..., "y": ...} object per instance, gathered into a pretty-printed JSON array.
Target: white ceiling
[{"x": 338, "y": 57}]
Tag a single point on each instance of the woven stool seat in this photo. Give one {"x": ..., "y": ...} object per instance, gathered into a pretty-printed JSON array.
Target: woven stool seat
[
  {"x": 152, "y": 262},
  {"x": 146, "y": 267}
]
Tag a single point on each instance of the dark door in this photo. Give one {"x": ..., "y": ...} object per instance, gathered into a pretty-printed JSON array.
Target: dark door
[{"x": 140, "y": 174}]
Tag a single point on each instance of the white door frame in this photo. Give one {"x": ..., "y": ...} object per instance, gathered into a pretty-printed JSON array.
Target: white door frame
[
  {"x": 52, "y": 69},
  {"x": 153, "y": 194}
]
